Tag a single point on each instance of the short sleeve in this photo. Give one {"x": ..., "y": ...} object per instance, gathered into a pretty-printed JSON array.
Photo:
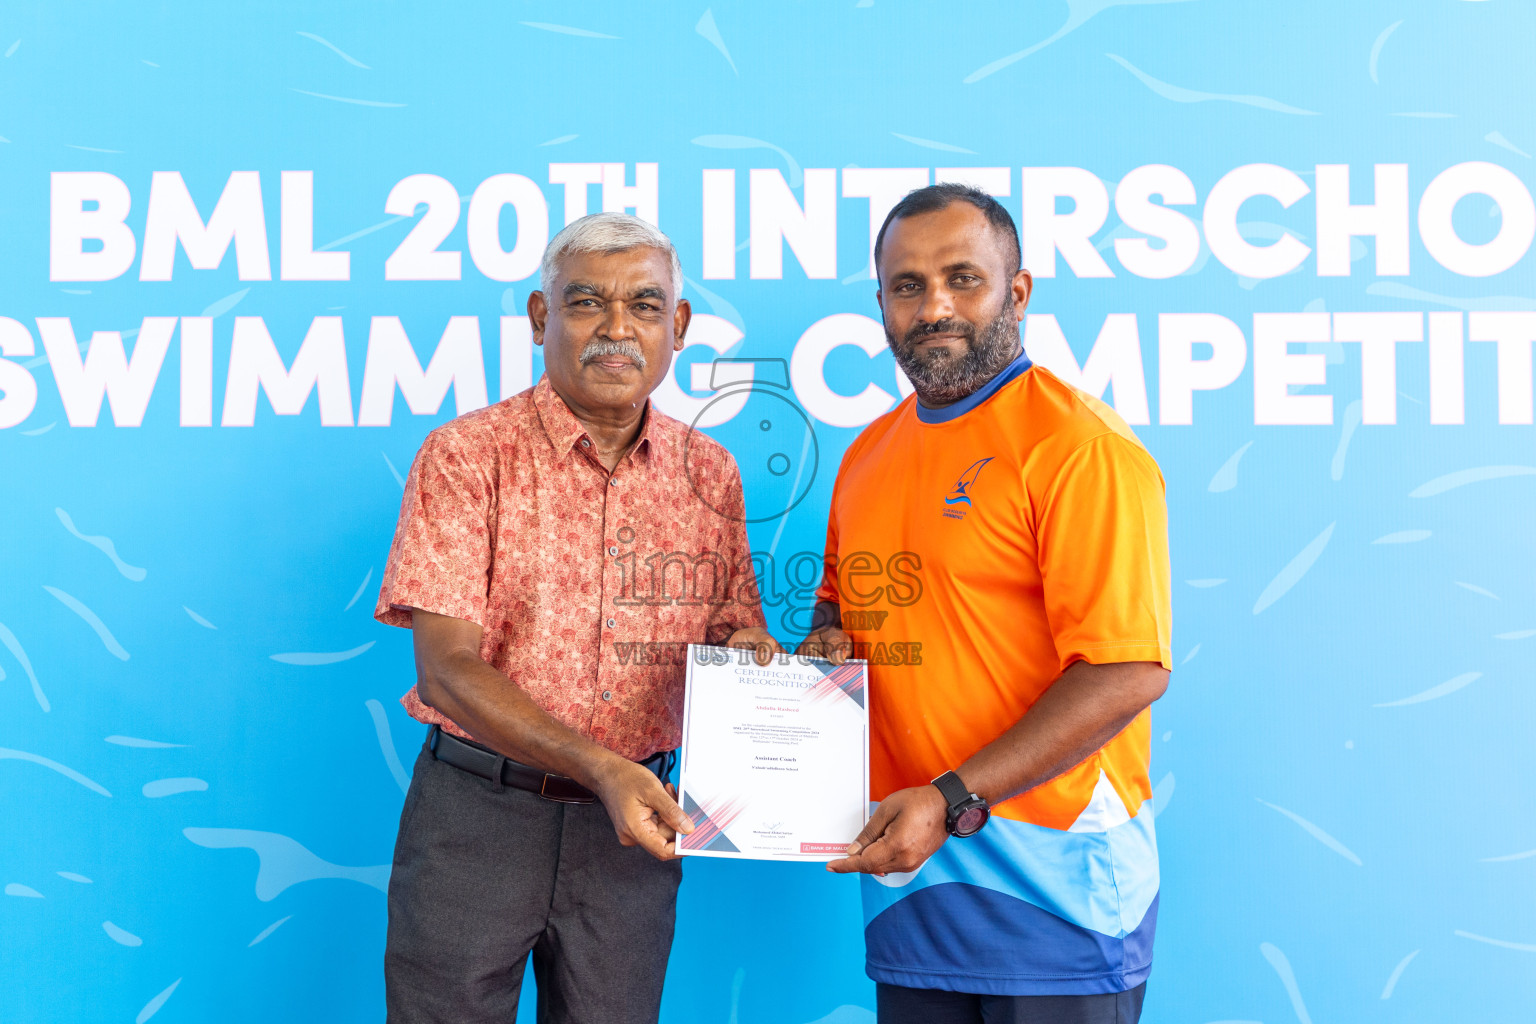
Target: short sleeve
[
  {"x": 1103, "y": 543},
  {"x": 441, "y": 557}
]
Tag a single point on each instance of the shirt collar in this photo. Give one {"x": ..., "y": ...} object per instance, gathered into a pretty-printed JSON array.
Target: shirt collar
[
  {"x": 955, "y": 410},
  {"x": 565, "y": 431}
]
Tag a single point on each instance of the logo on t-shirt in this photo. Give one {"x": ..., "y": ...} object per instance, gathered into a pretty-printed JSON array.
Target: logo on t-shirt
[{"x": 958, "y": 502}]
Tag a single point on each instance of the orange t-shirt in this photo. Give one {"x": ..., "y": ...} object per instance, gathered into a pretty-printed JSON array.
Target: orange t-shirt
[{"x": 976, "y": 558}]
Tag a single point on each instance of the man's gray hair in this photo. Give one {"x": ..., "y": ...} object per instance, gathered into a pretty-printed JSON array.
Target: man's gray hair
[{"x": 606, "y": 233}]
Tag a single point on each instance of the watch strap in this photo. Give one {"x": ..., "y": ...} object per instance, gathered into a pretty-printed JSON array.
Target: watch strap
[{"x": 954, "y": 791}]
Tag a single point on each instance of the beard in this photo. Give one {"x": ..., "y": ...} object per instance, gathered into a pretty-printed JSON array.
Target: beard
[
  {"x": 941, "y": 377},
  {"x": 597, "y": 348}
]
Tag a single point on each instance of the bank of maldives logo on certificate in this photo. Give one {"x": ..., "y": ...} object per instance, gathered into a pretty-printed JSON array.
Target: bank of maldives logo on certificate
[{"x": 775, "y": 757}]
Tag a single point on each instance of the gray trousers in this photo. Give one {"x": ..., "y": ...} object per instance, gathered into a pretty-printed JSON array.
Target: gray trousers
[{"x": 484, "y": 875}]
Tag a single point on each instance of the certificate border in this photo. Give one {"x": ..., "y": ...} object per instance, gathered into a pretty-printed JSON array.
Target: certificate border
[{"x": 682, "y": 771}]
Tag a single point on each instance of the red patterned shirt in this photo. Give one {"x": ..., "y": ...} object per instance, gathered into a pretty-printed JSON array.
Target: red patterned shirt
[{"x": 589, "y": 585}]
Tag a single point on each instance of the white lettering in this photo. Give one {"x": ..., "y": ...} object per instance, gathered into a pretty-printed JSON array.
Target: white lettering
[
  {"x": 17, "y": 386},
  {"x": 718, "y": 334},
  {"x": 1045, "y": 231},
  {"x": 417, "y": 257},
  {"x": 197, "y": 371},
  {"x": 776, "y": 219},
  {"x": 883, "y": 187},
  {"x": 807, "y": 363},
  {"x": 575, "y": 178},
  {"x": 106, "y": 370},
  {"x": 1275, "y": 369},
  {"x": 238, "y": 217},
  {"x": 1180, "y": 374},
  {"x": 1338, "y": 221},
  {"x": 643, "y": 196},
  {"x": 299, "y": 261},
  {"x": 1227, "y": 243},
  {"x": 1135, "y": 208},
  {"x": 1114, "y": 361},
  {"x": 1447, "y": 370},
  {"x": 719, "y": 224},
  {"x": 1378, "y": 335},
  {"x": 1513, "y": 333},
  {"x": 484, "y": 227},
  {"x": 321, "y": 365},
  {"x": 458, "y": 363},
  {"x": 1517, "y": 226},
  {"x": 70, "y": 224}
]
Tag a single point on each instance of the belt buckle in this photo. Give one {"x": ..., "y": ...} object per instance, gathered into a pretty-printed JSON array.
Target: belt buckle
[{"x": 544, "y": 785}]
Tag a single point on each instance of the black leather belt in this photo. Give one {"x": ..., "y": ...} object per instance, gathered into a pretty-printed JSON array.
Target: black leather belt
[{"x": 487, "y": 764}]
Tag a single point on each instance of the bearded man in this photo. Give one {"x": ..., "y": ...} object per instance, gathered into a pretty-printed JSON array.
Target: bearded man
[{"x": 1021, "y": 883}]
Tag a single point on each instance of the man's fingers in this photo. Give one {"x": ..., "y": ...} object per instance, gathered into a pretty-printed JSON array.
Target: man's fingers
[
  {"x": 839, "y": 646},
  {"x": 645, "y": 813},
  {"x": 762, "y": 652},
  {"x": 873, "y": 859},
  {"x": 648, "y": 835},
  {"x": 873, "y": 829},
  {"x": 759, "y": 641},
  {"x": 656, "y": 846},
  {"x": 815, "y": 646},
  {"x": 667, "y": 831},
  {"x": 870, "y": 851},
  {"x": 848, "y": 865},
  {"x": 829, "y": 644},
  {"x": 667, "y": 810}
]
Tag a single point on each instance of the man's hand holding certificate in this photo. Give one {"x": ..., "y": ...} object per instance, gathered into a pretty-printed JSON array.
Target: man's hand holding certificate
[{"x": 775, "y": 757}]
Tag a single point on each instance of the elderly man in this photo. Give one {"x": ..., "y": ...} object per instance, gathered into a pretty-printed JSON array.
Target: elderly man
[
  {"x": 538, "y": 819},
  {"x": 1043, "y": 616}
]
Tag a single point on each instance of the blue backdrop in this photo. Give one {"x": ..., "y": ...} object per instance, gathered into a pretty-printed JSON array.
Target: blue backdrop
[{"x": 200, "y": 747}]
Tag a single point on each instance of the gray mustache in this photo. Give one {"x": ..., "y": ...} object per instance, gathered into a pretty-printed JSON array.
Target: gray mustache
[{"x": 599, "y": 347}]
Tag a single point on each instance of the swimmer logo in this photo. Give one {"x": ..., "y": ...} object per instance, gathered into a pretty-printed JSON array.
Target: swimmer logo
[{"x": 958, "y": 503}]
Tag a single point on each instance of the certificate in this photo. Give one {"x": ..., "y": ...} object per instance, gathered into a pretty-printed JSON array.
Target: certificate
[{"x": 775, "y": 757}]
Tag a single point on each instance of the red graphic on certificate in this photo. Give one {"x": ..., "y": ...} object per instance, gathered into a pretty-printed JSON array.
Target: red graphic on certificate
[
  {"x": 838, "y": 848},
  {"x": 709, "y": 824},
  {"x": 840, "y": 681}
]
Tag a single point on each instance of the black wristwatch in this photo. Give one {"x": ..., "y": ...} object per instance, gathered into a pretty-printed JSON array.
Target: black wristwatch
[{"x": 967, "y": 811}]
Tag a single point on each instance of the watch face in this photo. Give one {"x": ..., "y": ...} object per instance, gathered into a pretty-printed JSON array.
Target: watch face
[{"x": 970, "y": 820}]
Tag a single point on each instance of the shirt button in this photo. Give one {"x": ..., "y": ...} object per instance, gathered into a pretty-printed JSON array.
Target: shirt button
[
  {"x": 613, "y": 481},
  {"x": 613, "y": 550},
  {"x": 607, "y": 695},
  {"x": 585, "y": 443},
  {"x": 611, "y": 623}
]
